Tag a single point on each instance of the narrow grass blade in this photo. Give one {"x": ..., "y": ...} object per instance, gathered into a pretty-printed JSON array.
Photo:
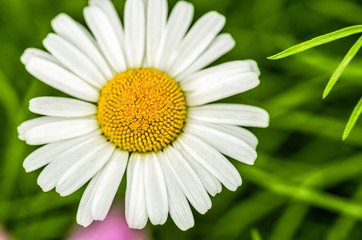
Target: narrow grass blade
[
  {"x": 320, "y": 125},
  {"x": 308, "y": 195},
  {"x": 255, "y": 235},
  {"x": 8, "y": 97},
  {"x": 322, "y": 62},
  {"x": 353, "y": 119},
  {"x": 290, "y": 220},
  {"x": 336, "y": 9},
  {"x": 318, "y": 41},
  {"x": 261, "y": 204},
  {"x": 344, "y": 225},
  {"x": 338, "y": 72}
]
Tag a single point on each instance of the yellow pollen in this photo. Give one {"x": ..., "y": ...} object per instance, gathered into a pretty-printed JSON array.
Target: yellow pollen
[{"x": 141, "y": 110}]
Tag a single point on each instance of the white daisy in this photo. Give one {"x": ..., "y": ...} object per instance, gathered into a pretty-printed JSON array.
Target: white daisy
[{"x": 141, "y": 97}]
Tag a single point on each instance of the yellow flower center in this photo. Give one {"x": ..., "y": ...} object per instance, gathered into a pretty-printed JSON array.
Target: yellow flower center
[{"x": 141, "y": 110}]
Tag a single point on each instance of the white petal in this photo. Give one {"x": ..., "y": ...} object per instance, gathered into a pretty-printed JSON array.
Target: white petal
[
  {"x": 79, "y": 36},
  {"x": 51, "y": 174},
  {"x": 136, "y": 210},
  {"x": 180, "y": 210},
  {"x": 188, "y": 180},
  {"x": 58, "y": 77},
  {"x": 221, "y": 45},
  {"x": 253, "y": 66},
  {"x": 24, "y": 127},
  {"x": 33, "y": 52},
  {"x": 216, "y": 88},
  {"x": 220, "y": 71},
  {"x": 135, "y": 32},
  {"x": 239, "y": 132},
  {"x": 61, "y": 107},
  {"x": 235, "y": 131},
  {"x": 225, "y": 143},
  {"x": 85, "y": 168},
  {"x": 176, "y": 27},
  {"x": 212, "y": 160},
  {"x": 74, "y": 59},
  {"x": 106, "y": 36},
  {"x": 156, "y": 22},
  {"x": 234, "y": 114},
  {"x": 196, "y": 41},
  {"x": 84, "y": 213},
  {"x": 112, "y": 15},
  {"x": 58, "y": 129},
  {"x": 108, "y": 183},
  {"x": 155, "y": 190},
  {"x": 44, "y": 155},
  {"x": 212, "y": 185}
]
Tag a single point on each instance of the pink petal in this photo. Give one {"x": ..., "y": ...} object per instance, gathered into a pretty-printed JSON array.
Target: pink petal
[{"x": 114, "y": 227}]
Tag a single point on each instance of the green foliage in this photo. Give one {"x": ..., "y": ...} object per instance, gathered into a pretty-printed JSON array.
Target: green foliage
[
  {"x": 255, "y": 234},
  {"x": 353, "y": 119},
  {"x": 329, "y": 37},
  {"x": 306, "y": 183},
  {"x": 338, "y": 72},
  {"x": 326, "y": 38}
]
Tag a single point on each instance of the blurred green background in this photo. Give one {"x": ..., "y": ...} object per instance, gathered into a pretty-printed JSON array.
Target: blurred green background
[{"x": 306, "y": 183}]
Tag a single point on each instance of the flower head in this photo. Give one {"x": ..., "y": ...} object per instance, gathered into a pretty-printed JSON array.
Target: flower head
[{"x": 142, "y": 105}]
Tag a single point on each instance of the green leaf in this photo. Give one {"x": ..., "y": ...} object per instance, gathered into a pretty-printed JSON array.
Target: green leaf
[
  {"x": 338, "y": 72},
  {"x": 318, "y": 41},
  {"x": 353, "y": 119}
]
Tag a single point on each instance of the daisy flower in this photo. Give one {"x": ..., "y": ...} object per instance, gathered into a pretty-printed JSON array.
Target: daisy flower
[{"x": 142, "y": 106}]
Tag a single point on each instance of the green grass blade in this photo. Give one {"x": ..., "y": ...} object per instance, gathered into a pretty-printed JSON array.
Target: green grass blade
[
  {"x": 293, "y": 97},
  {"x": 320, "y": 125},
  {"x": 261, "y": 204},
  {"x": 308, "y": 195},
  {"x": 320, "y": 64},
  {"x": 353, "y": 119},
  {"x": 338, "y": 72},
  {"x": 318, "y": 41},
  {"x": 8, "y": 97},
  {"x": 344, "y": 225},
  {"x": 258, "y": 206},
  {"x": 337, "y": 9},
  {"x": 255, "y": 235},
  {"x": 292, "y": 217}
]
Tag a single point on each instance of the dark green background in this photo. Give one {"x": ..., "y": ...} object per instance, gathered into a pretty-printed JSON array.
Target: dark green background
[{"x": 306, "y": 183}]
